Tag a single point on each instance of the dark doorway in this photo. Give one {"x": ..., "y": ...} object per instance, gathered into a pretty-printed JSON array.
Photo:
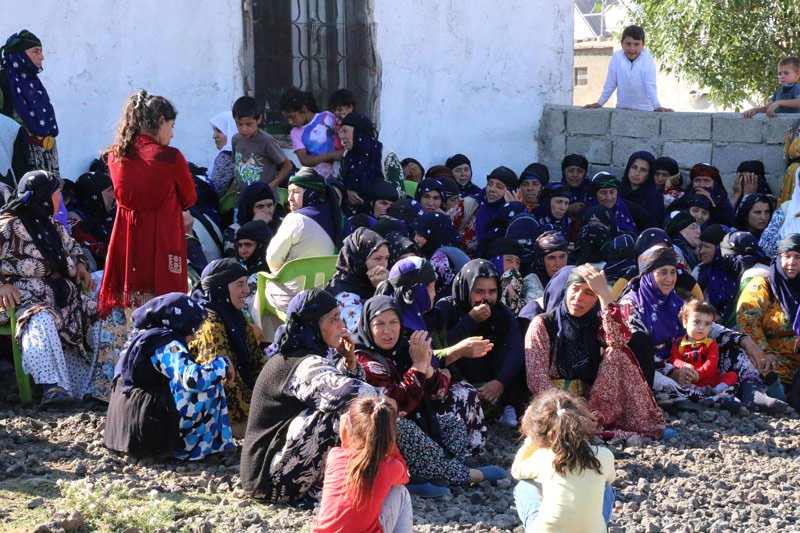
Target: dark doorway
[{"x": 316, "y": 45}]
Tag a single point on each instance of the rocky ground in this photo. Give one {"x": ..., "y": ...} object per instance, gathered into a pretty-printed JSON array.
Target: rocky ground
[{"x": 721, "y": 473}]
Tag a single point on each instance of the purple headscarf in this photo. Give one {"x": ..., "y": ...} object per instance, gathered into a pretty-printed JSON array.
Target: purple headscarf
[{"x": 408, "y": 283}]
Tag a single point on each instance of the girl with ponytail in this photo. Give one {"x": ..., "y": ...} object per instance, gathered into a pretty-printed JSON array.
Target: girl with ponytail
[
  {"x": 564, "y": 481},
  {"x": 364, "y": 477}
]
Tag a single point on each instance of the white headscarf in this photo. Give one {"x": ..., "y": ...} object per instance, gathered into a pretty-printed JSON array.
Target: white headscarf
[
  {"x": 791, "y": 223},
  {"x": 9, "y": 129},
  {"x": 225, "y": 123}
]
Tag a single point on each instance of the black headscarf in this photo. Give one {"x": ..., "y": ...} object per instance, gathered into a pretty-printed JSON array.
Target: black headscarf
[
  {"x": 91, "y": 207},
  {"x": 649, "y": 238},
  {"x": 620, "y": 258},
  {"x": 406, "y": 210},
  {"x": 438, "y": 230},
  {"x": 399, "y": 244},
  {"x": 786, "y": 290},
  {"x": 431, "y": 185},
  {"x": 383, "y": 190},
  {"x": 162, "y": 320},
  {"x": 589, "y": 246},
  {"x": 254, "y": 193},
  {"x": 578, "y": 194},
  {"x": 386, "y": 225},
  {"x": 746, "y": 204},
  {"x": 756, "y": 167},
  {"x": 301, "y": 336},
  {"x": 351, "y": 265},
  {"x": 365, "y": 342},
  {"x": 577, "y": 346},
  {"x": 547, "y": 243},
  {"x": 462, "y": 288},
  {"x": 215, "y": 296},
  {"x": 362, "y": 164},
  {"x": 33, "y": 206},
  {"x": 260, "y": 233}
]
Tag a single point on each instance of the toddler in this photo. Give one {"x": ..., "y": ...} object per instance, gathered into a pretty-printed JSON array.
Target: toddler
[
  {"x": 787, "y": 97},
  {"x": 314, "y": 138}
]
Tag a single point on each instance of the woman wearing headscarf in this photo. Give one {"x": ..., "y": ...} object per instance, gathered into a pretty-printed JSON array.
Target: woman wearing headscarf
[
  {"x": 162, "y": 401},
  {"x": 461, "y": 167},
  {"x": 475, "y": 309},
  {"x": 697, "y": 205},
  {"x": 638, "y": 186},
  {"x": 472, "y": 215},
  {"x": 312, "y": 229},
  {"x": 589, "y": 245},
  {"x": 573, "y": 174},
  {"x": 363, "y": 163},
  {"x": 226, "y": 331},
  {"x": 432, "y": 231},
  {"x": 767, "y": 309},
  {"x": 685, "y": 235},
  {"x": 553, "y": 206},
  {"x": 363, "y": 263},
  {"x": 447, "y": 261},
  {"x": 296, "y": 402},
  {"x": 715, "y": 273},
  {"x": 256, "y": 202},
  {"x": 604, "y": 191},
  {"x": 705, "y": 179},
  {"x": 582, "y": 346},
  {"x": 41, "y": 274},
  {"x": 24, "y": 98},
  {"x": 754, "y": 213},
  {"x": 381, "y": 197},
  {"x": 220, "y": 176},
  {"x": 743, "y": 250},
  {"x": 91, "y": 215},
  {"x": 252, "y": 240},
  {"x": 530, "y": 184},
  {"x": 668, "y": 180},
  {"x": 620, "y": 261},
  {"x": 550, "y": 255},
  {"x": 433, "y": 445},
  {"x": 505, "y": 254},
  {"x": 750, "y": 179},
  {"x": 784, "y": 221},
  {"x": 431, "y": 195},
  {"x": 400, "y": 246},
  {"x": 523, "y": 230}
]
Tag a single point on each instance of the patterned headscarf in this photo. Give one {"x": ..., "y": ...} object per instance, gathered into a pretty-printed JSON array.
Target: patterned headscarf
[
  {"x": 30, "y": 98},
  {"x": 362, "y": 164},
  {"x": 785, "y": 289},
  {"x": 365, "y": 341},
  {"x": 301, "y": 334},
  {"x": 547, "y": 243},
  {"x": 438, "y": 230},
  {"x": 351, "y": 265}
]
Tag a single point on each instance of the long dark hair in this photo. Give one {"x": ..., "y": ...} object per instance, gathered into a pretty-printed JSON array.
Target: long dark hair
[
  {"x": 563, "y": 423},
  {"x": 141, "y": 114}
]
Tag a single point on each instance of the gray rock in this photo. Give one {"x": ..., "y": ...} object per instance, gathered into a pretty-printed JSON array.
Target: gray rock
[{"x": 34, "y": 503}]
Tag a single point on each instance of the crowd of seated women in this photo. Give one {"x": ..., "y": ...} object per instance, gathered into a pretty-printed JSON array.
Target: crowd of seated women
[{"x": 459, "y": 304}]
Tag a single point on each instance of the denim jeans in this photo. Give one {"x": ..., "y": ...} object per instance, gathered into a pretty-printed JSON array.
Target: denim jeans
[{"x": 528, "y": 497}]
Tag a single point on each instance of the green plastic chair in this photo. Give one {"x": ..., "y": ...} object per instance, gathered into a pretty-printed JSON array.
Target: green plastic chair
[
  {"x": 227, "y": 202},
  {"x": 283, "y": 196},
  {"x": 311, "y": 271},
  {"x": 23, "y": 382},
  {"x": 410, "y": 187}
]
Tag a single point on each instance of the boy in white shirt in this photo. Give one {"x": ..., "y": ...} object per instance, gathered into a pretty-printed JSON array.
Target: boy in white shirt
[{"x": 632, "y": 73}]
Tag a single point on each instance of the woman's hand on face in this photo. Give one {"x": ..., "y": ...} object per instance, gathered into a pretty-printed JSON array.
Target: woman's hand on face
[
  {"x": 596, "y": 279},
  {"x": 377, "y": 274},
  {"x": 419, "y": 349},
  {"x": 749, "y": 183},
  {"x": 9, "y": 296},
  {"x": 510, "y": 196},
  {"x": 347, "y": 348},
  {"x": 480, "y": 313},
  {"x": 700, "y": 190}
]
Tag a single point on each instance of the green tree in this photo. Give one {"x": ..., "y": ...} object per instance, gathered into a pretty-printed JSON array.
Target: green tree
[{"x": 731, "y": 47}]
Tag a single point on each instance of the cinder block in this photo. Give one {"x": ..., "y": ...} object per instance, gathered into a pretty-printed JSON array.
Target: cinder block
[
  {"x": 588, "y": 121},
  {"x": 772, "y": 157},
  {"x": 644, "y": 124},
  {"x": 614, "y": 171},
  {"x": 623, "y": 147},
  {"x": 596, "y": 149},
  {"x": 687, "y": 154},
  {"x": 553, "y": 120},
  {"x": 726, "y": 157},
  {"x": 732, "y": 127},
  {"x": 686, "y": 126},
  {"x": 552, "y": 147},
  {"x": 775, "y": 128}
]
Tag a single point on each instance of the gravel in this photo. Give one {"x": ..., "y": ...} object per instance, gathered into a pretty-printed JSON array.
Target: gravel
[{"x": 721, "y": 473}]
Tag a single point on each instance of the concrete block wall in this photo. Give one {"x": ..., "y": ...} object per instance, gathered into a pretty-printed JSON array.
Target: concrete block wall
[{"x": 607, "y": 137}]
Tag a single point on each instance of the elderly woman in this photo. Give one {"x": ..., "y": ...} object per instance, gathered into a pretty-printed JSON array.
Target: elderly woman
[
  {"x": 91, "y": 215},
  {"x": 582, "y": 346},
  {"x": 41, "y": 271},
  {"x": 475, "y": 309},
  {"x": 162, "y": 401},
  {"x": 363, "y": 263},
  {"x": 706, "y": 180},
  {"x": 226, "y": 331},
  {"x": 652, "y": 307},
  {"x": 603, "y": 190},
  {"x": 296, "y": 402},
  {"x": 24, "y": 98},
  {"x": 767, "y": 309},
  {"x": 550, "y": 255}
]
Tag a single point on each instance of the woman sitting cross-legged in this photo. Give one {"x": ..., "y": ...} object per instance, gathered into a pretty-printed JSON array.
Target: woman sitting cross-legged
[
  {"x": 582, "y": 346},
  {"x": 433, "y": 446},
  {"x": 296, "y": 402},
  {"x": 162, "y": 401},
  {"x": 40, "y": 273},
  {"x": 226, "y": 331}
]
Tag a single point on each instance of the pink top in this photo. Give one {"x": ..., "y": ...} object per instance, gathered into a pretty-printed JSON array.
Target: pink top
[{"x": 337, "y": 512}]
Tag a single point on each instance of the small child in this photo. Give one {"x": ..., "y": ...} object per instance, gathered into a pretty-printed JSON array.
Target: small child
[
  {"x": 342, "y": 103},
  {"x": 364, "y": 482},
  {"x": 256, "y": 155},
  {"x": 313, "y": 134},
  {"x": 564, "y": 481},
  {"x": 787, "y": 97},
  {"x": 697, "y": 350}
]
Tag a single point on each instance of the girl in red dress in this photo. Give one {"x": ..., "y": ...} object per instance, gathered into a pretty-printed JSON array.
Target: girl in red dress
[{"x": 152, "y": 185}]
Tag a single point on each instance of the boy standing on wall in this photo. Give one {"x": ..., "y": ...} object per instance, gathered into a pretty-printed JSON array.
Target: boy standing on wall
[{"x": 632, "y": 72}]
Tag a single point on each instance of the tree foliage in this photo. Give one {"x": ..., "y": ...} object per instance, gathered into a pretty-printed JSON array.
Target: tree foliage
[{"x": 731, "y": 47}]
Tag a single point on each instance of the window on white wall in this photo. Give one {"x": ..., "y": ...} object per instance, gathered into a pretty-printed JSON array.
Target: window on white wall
[
  {"x": 581, "y": 76},
  {"x": 316, "y": 45}
]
